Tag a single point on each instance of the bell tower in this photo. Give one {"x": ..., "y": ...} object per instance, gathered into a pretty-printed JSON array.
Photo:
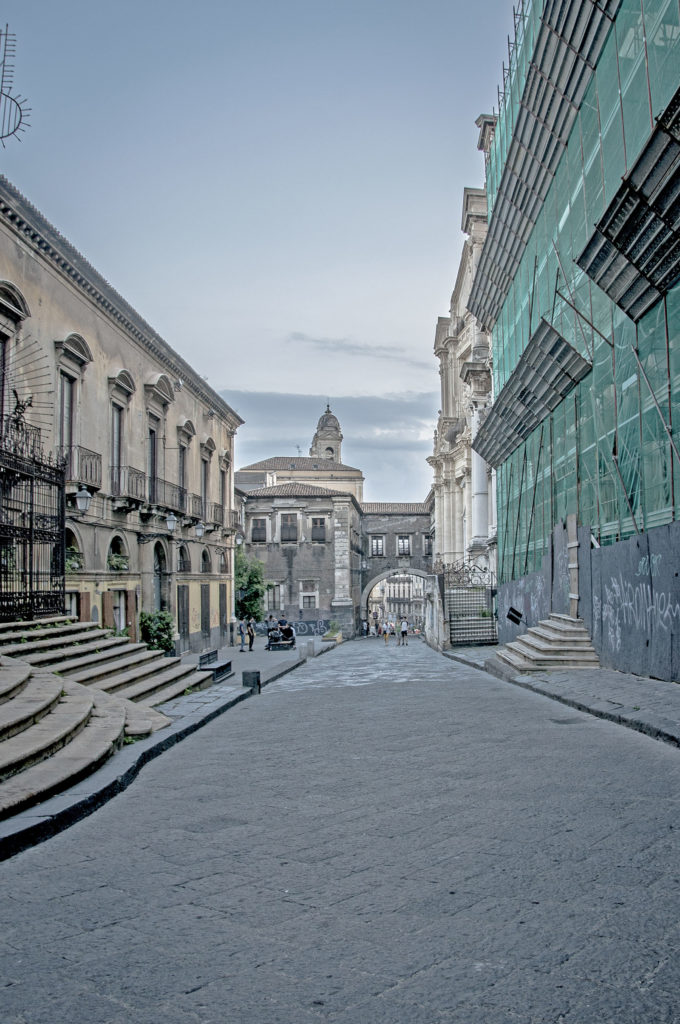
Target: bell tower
[{"x": 327, "y": 441}]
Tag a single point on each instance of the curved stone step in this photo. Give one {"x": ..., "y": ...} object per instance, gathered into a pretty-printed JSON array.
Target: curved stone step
[
  {"x": 49, "y": 735},
  {"x": 37, "y": 632},
  {"x": 195, "y": 681},
  {"x": 85, "y": 753},
  {"x": 14, "y": 677},
  {"x": 102, "y": 662},
  {"x": 38, "y": 698},
  {"x": 23, "y": 624},
  {"x": 74, "y": 654},
  {"x": 28, "y": 647},
  {"x": 146, "y": 689},
  {"x": 102, "y": 675}
]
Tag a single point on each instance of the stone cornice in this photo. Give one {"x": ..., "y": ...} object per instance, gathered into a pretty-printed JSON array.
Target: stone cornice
[{"x": 26, "y": 221}]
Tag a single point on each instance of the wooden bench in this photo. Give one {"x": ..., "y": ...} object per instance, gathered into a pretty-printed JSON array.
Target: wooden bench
[{"x": 208, "y": 663}]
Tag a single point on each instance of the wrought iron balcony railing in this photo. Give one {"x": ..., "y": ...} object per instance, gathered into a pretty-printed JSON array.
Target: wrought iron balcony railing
[
  {"x": 83, "y": 466},
  {"x": 127, "y": 482},
  {"x": 20, "y": 439},
  {"x": 169, "y": 495}
]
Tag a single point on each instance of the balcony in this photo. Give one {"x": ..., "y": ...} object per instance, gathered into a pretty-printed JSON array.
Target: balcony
[
  {"x": 214, "y": 513},
  {"x": 195, "y": 506},
  {"x": 83, "y": 467},
  {"x": 128, "y": 483},
  {"x": 167, "y": 494},
  {"x": 20, "y": 439}
]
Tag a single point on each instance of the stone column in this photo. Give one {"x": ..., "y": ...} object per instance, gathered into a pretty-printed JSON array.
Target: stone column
[{"x": 479, "y": 494}]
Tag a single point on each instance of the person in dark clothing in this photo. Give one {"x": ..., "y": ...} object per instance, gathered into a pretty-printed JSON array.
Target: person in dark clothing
[{"x": 251, "y": 633}]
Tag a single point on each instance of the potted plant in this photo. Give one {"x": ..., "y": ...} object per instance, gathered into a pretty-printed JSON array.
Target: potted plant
[
  {"x": 117, "y": 562},
  {"x": 73, "y": 560}
]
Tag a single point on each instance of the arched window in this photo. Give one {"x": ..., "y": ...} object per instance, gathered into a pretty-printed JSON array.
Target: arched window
[
  {"x": 224, "y": 564},
  {"x": 183, "y": 559},
  {"x": 118, "y": 559},
  {"x": 73, "y": 561},
  {"x": 206, "y": 564}
]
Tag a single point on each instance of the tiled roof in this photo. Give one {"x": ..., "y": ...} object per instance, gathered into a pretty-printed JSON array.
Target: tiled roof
[
  {"x": 403, "y": 508},
  {"x": 295, "y": 490},
  {"x": 303, "y": 463}
]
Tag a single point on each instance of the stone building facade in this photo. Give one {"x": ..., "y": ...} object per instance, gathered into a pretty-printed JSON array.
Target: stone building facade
[
  {"x": 322, "y": 547},
  {"x": 464, "y": 508},
  {"x": 148, "y": 445},
  {"x": 309, "y": 539}
]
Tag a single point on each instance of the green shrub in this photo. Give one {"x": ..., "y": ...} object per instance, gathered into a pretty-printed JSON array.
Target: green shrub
[{"x": 157, "y": 629}]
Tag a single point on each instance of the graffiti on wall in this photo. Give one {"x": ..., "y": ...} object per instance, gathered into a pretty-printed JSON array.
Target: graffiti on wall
[
  {"x": 317, "y": 628},
  {"x": 637, "y": 606}
]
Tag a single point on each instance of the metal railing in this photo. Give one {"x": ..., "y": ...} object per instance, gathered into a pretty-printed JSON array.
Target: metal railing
[
  {"x": 167, "y": 494},
  {"x": 127, "y": 482}
]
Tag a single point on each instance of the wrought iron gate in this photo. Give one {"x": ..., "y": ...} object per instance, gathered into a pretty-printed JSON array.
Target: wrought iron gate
[
  {"x": 470, "y": 604},
  {"x": 32, "y": 513}
]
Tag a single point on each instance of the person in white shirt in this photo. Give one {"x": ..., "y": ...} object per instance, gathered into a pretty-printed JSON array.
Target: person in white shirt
[{"x": 404, "y": 633}]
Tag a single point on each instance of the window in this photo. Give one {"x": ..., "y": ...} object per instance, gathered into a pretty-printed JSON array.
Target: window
[
  {"x": 288, "y": 527},
  {"x": 258, "y": 531},
  {"x": 67, "y": 388},
  {"x": 319, "y": 531},
  {"x": 403, "y": 545},
  {"x": 274, "y": 598},
  {"x": 152, "y": 456},
  {"x": 377, "y": 546},
  {"x": 205, "y": 486},
  {"x": 116, "y": 447},
  {"x": 182, "y": 466},
  {"x": 309, "y": 595}
]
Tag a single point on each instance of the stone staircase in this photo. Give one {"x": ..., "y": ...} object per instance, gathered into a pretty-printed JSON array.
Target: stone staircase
[
  {"x": 82, "y": 652},
  {"x": 559, "y": 642},
  {"x": 70, "y": 694}
]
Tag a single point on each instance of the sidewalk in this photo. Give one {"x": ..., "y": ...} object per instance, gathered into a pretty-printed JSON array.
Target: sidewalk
[
  {"x": 650, "y": 706},
  {"x": 187, "y": 713}
]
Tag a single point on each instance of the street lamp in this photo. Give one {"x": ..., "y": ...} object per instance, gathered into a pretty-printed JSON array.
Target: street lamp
[
  {"x": 83, "y": 499},
  {"x": 200, "y": 530},
  {"x": 171, "y": 522}
]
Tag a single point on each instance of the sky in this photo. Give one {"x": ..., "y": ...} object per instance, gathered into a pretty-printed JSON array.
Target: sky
[{"x": 276, "y": 186}]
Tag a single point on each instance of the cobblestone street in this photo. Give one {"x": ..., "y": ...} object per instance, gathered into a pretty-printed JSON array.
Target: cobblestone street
[{"x": 383, "y": 836}]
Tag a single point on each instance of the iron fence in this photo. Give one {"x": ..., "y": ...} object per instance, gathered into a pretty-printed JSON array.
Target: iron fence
[
  {"x": 470, "y": 604},
  {"x": 32, "y": 521}
]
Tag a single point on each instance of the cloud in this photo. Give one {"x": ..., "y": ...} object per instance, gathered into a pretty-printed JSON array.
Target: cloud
[
  {"x": 346, "y": 347},
  {"x": 388, "y": 437}
]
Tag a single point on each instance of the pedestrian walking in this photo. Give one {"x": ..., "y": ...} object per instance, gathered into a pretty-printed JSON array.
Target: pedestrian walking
[
  {"x": 386, "y": 632},
  {"x": 242, "y": 634},
  {"x": 251, "y": 633},
  {"x": 404, "y": 633}
]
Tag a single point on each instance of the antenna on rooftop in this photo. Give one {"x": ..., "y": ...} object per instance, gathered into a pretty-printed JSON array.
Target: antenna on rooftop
[{"x": 13, "y": 110}]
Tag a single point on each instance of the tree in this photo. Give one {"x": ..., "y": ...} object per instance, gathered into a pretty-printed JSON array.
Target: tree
[{"x": 250, "y": 586}]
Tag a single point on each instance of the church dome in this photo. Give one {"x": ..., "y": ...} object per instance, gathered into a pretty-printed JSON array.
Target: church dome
[{"x": 328, "y": 421}]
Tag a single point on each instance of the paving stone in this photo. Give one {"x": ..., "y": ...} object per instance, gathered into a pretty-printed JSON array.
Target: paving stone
[{"x": 369, "y": 840}]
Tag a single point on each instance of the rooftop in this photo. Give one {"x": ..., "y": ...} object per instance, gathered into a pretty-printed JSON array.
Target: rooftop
[{"x": 302, "y": 463}]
